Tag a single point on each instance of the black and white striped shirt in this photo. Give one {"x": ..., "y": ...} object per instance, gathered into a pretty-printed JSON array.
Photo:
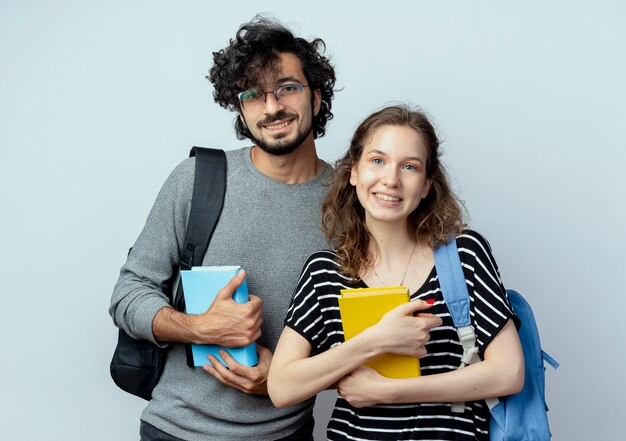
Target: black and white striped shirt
[{"x": 314, "y": 313}]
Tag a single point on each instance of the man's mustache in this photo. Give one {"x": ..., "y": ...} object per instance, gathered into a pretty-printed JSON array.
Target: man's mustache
[{"x": 271, "y": 118}]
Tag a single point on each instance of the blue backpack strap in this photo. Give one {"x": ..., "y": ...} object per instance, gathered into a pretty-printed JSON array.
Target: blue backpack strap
[
  {"x": 455, "y": 293},
  {"x": 452, "y": 282},
  {"x": 548, "y": 359}
]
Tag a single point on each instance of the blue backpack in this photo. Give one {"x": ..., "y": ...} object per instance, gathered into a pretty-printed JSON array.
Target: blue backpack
[{"x": 518, "y": 417}]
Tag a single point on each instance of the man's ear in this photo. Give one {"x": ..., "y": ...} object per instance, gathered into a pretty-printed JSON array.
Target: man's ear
[{"x": 317, "y": 101}]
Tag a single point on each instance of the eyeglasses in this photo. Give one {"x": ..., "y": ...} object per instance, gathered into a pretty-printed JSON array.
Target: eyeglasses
[{"x": 254, "y": 99}]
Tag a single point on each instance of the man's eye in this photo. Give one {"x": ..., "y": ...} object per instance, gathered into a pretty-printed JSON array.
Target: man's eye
[{"x": 289, "y": 88}]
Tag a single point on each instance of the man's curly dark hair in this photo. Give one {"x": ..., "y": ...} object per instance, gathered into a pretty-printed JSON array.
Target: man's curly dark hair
[{"x": 255, "y": 51}]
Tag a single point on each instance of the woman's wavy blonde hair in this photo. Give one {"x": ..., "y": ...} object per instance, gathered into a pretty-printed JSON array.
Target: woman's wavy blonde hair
[{"x": 438, "y": 215}]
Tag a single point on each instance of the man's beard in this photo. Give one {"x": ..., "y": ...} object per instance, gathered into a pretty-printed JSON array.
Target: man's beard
[{"x": 281, "y": 147}]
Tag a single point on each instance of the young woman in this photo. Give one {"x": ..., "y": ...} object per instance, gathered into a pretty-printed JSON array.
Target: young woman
[{"x": 388, "y": 208}]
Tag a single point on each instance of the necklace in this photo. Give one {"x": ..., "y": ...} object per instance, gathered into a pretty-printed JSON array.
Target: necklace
[{"x": 405, "y": 269}]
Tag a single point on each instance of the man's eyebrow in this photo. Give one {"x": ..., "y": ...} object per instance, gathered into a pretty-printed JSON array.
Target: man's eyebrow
[
  {"x": 279, "y": 81},
  {"x": 287, "y": 79}
]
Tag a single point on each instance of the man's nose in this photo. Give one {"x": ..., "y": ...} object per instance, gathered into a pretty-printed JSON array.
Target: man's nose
[{"x": 272, "y": 104}]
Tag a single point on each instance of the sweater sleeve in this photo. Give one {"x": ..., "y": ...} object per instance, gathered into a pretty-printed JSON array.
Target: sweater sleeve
[
  {"x": 151, "y": 264},
  {"x": 490, "y": 307}
]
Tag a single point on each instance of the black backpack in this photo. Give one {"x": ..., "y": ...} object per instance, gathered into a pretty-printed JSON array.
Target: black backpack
[{"x": 137, "y": 364}]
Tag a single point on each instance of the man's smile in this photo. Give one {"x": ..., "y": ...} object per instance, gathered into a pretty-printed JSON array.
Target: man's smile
[{"x": 278, "y": 125}]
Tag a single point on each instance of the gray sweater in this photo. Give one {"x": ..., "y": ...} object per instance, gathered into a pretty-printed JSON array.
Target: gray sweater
[{"x": 266, "y": 226}]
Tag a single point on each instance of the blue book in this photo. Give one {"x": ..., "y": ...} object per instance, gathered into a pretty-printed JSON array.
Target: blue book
[{"x": 200, "y": 286}]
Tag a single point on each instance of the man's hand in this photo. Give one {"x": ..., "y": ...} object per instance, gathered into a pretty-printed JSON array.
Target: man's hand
[
  {"x": 228, "y": 323},
  {"x": 251, "y": 380}
]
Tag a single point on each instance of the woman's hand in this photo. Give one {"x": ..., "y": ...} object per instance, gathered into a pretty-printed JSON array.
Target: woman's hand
[
  {"x": 363, "y": 387},
  {"x": 400, "y": 332}
]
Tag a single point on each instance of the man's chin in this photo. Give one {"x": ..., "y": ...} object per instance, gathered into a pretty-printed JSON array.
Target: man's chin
[
  {"x": 281, "y": 147},
  {"x": 278, "y": 148}
]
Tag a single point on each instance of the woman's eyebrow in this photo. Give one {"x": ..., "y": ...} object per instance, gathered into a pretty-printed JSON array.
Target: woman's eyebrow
[{"x": 409, "y": 158}]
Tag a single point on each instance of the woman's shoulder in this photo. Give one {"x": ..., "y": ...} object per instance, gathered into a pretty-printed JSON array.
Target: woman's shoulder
[
  {"x": 475, "y": 250},
  {"x": 323, "y": 259},
  {"x": 474, "y": 241},
  {"x": 320, "y": 268},
  {"x": 323, "y": 266}
]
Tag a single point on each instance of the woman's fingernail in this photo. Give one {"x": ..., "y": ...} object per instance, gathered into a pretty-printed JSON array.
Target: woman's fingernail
[{"x": 430, "y": 301}]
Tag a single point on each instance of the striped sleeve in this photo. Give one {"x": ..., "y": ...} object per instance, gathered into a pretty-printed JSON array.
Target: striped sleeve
[
  {"x": 314, "y": 311},
  {"x": 490, "y": 307}
]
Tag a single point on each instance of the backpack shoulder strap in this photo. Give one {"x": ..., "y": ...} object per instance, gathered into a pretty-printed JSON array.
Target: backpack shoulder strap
[
  {"x": 207, "y": 199},
  {"x": 456, "y": 295},
  {"x": 452, "y": 282}
]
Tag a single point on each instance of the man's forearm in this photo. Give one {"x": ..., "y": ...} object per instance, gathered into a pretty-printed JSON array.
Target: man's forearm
[
  {"x": 226, "y": 322},
  {"x": 170, "y": 325}
]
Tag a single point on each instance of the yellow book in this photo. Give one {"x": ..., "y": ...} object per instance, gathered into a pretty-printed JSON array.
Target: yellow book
[{"x": 361, "y": 308}]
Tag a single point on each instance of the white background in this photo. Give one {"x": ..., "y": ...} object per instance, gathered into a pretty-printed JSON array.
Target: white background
[{"x": 100, "y": 100}]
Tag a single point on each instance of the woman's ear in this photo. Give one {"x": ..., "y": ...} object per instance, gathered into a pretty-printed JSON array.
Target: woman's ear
[
  {"x": 426, "y": 189},
  {"x": 353, "y": 175}
]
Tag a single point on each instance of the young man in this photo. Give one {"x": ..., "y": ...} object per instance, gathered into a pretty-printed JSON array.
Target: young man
[{"x": 281, "y": 88}]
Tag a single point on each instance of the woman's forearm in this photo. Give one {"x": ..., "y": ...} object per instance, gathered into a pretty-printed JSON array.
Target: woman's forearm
[
  {"x": 500, "y": 374},
  {"x": 475, "y": 382},
  {"x": 295, "y": 377}
]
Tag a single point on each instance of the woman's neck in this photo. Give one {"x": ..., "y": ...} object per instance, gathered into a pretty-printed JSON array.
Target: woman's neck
[
  {"x": 388, "y": 240},
  {"x": 391, "y": 249},
  {"x": 396, "y": 258}
]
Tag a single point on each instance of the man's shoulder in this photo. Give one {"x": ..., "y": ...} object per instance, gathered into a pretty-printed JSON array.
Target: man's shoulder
[
  {"x": 327, "y": 174},
  {"x": 234, "y": 156},
  {"x": 237, "y": 154},
  {"x": 185, "y": 169}
]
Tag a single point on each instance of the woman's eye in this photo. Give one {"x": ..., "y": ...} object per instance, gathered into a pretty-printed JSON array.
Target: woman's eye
[
  {"x": 377, "y": 161},
  {"x": 410, "y": 167}
]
